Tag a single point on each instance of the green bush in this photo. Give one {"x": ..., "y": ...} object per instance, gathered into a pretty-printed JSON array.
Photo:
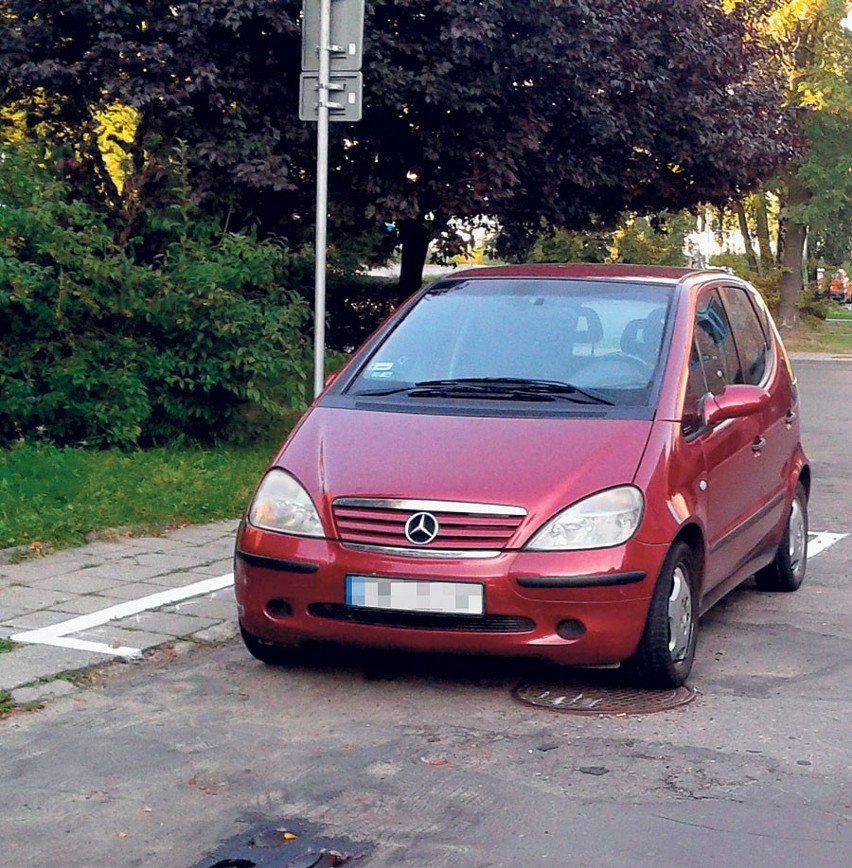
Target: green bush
[
  {"x": 101, "y": 349},
  {"x": 357, "y": 305},
  {"x": 812, "y": 305},
  {"x": 654, "y": 240},
  {"x": 562, "y": 245}
]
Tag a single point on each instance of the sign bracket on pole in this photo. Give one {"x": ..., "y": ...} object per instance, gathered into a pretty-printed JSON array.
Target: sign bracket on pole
[{"x": 332, "y": 50}]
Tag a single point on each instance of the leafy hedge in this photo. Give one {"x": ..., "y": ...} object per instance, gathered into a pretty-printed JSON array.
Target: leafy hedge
[{"x": 99, "y": 348}]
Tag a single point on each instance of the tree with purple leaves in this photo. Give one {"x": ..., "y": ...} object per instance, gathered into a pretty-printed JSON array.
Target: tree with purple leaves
[{"x": 527, "y": 112}]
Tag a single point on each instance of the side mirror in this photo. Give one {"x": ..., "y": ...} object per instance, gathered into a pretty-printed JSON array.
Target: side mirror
[{"x": 734, "y": 402}]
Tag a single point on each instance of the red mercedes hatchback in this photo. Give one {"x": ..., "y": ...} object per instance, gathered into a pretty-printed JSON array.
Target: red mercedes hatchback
[{"x": 567, "y": 462}]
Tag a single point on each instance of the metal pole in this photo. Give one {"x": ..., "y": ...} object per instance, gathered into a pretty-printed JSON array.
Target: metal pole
[{"x": 322, "y": 195}]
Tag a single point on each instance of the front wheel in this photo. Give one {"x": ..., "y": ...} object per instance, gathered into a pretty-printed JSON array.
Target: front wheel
[
  {"x": 787, "y": 570},
  {"x": 666, "y": 651}
]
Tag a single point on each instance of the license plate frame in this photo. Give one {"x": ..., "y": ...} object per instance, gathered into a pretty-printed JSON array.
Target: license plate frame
[{"x": 423, "y": 596}]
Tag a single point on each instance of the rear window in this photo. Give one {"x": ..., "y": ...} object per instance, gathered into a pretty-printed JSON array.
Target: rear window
[{"x": 596, "y": 335}]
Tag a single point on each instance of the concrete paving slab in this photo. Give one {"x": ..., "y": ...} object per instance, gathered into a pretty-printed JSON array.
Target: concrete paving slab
[
  {"x": 153, "y": 544},
  {"x": 224, "y": 631},
  {"x": 78, "y": 582},
  {"x": 192, "y": 576},
  {"x": 31, "y": 570},
  {"x": 83, "y": 605},
  {"x": 104, "y": 550},
  {"x": 205, "y": 607},
  {"x": 18, "y": 599},
  {"x": 131, "y": 591},
  {"x": 28, "y": 663},
  {"x": 174, "y": 562},
  {"x": 29, "y": 621},
  {"x": 112, "y": 635},
  {"x": 218, "y": 567},
  {"x": 182, "y": 578},
  {"x": 174, "y": 624},
  {"x": 126, "y": 569}
]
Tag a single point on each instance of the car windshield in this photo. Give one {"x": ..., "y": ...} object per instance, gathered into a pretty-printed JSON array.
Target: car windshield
[{"x": 524, "y": 339}]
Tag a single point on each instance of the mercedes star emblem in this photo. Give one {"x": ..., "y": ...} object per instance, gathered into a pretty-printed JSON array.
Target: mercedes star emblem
[{"x": 421, "y": 528}]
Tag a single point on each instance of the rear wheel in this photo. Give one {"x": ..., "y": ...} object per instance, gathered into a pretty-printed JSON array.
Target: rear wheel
[
  {"x": 787, "y": 570},
  {"x": 265, "y": 651},
  {"x": 664, "y": 657}
]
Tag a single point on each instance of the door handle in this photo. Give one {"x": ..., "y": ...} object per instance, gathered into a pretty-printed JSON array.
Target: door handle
[
  {"x": 791, "y": 417},
  {"x": 758, "y": 444}
]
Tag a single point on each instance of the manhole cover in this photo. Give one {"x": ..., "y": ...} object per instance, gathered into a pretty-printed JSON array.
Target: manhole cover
[{"x": 601, "y": 699}]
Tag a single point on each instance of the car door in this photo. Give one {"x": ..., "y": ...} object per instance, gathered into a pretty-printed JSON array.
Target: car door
[
  {"x": 759, "y": 366},
  {"x": 733, "y": 478}
]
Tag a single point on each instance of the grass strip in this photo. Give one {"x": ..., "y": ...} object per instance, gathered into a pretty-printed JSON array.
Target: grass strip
[
  {"x": 824, "y": 339},
  {"x": 53, "y": 497}
]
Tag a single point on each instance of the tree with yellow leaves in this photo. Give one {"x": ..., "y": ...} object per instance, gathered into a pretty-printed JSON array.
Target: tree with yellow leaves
[{"x": 811, "y": 45}]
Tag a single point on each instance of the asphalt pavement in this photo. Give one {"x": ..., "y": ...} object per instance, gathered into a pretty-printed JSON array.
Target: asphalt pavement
[{"x": 202, "y": 756}]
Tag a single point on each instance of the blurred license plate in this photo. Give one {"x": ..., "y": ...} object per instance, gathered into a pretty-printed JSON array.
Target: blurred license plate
[{"x": 412, "y": 595}]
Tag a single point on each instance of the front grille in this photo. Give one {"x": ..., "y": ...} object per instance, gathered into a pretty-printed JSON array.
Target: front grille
[
  {"x": 423, "y": 620},
  {"x": 463, "y": 527}
]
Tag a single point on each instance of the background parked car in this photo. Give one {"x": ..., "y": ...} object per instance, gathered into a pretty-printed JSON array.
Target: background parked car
[{"x": 839, "y": 289}]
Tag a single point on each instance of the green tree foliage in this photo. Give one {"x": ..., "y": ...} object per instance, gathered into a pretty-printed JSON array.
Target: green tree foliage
[
  {"x": 656, "y": 240},
  {"x": 827, "y": 172},
  {"x": 807, "y": 43},
  {"x": 98, "y": 348},
  {"x": 521, "y": 110}
]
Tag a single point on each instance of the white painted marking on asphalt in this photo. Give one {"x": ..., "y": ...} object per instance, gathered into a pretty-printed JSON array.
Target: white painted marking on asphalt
[
  {"x": 57, "y": 633},
  {"x": 819, "y": 542}
]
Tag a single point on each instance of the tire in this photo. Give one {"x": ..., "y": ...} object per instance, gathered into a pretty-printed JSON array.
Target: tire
[
  {"x": 666, "y": 650},
  {"x": 265, "y": 651},
  {"x": 787, "y": 570}
]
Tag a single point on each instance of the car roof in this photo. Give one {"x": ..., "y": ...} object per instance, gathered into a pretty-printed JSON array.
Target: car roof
[{"x": 619, "y": 272}]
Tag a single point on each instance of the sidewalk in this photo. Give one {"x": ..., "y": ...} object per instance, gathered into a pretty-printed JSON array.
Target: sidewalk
[{"x": 87, "y": 606}]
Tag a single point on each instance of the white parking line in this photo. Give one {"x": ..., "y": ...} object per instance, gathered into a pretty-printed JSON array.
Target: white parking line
[
  {"x": 819, "y": 542},
  {"x": 57, "y": 634}
]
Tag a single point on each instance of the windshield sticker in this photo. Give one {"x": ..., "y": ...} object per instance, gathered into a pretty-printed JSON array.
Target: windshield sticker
[{"x": 380, "y": 370}]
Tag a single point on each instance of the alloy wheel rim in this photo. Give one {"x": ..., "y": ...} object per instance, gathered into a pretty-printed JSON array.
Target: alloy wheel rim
[
  {"x": 797, "y": 535},
  {"x": 680, "y": 615}
]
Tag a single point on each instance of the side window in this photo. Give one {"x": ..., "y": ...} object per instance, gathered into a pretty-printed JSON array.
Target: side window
[
  {"x": 749, "y": 334},
  {"x": 696, "y": 389},
  {"x": 716, "y": 348}
]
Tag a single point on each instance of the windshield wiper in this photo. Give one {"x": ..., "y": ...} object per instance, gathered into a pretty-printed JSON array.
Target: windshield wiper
[
  {"x": 550, "y": 388},
  {"x": 499, "y": 388},
  {"x": 429, "y": 388},
  {"x": 378, "y": 393}
]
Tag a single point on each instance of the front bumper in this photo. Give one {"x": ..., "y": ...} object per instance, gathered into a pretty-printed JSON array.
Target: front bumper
[{"x": 572, "y": 608}]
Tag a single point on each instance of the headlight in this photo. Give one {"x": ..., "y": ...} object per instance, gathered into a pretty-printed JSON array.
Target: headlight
[
  {"x": 605, "y": 519},
  {"x": 283, "y": 505}
]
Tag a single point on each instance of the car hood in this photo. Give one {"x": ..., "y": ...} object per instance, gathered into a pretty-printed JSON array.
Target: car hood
[{"x": 542, "y": 465}]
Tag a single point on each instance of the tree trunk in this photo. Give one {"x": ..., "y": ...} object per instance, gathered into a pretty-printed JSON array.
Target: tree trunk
[
  {"x": 414, "y": 238},
  {"x": 791, "y": 274},
  {"x": 739, "y": 210},
  {"x": 762, "y": 231},
  {"x": 782, "y": 234},
  {"x": 792, "y": 255}
]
